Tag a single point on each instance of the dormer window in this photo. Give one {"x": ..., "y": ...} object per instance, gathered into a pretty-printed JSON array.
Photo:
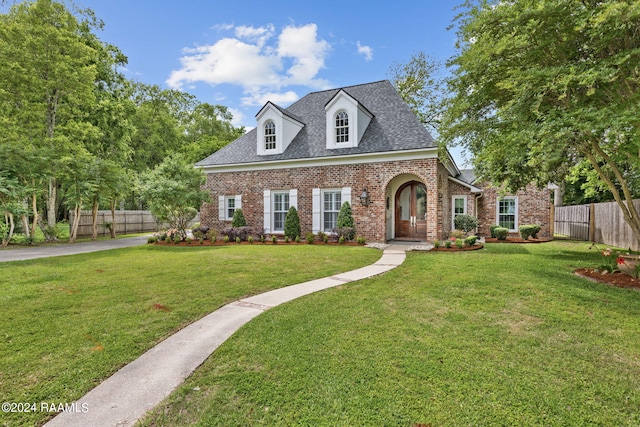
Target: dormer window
[
  {"x": 342, "y": 127},
  {"x": 346, "y": 121},
  {"x": 269, "y": 136},
  {"x": 276, "y": 129}
]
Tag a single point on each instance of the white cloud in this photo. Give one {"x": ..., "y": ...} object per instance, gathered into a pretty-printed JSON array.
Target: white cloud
[
  {"x": 258, "y": 62},
  {"x": 366, "y": 51}
]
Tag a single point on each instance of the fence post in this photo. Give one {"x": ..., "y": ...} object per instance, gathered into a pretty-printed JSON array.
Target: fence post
[
  {"x": 592, "y": 222},
  {"x": 552, "y": 220}
]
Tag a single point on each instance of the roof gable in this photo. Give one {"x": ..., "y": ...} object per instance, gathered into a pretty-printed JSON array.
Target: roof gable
[{"x": 393, "y": 128}]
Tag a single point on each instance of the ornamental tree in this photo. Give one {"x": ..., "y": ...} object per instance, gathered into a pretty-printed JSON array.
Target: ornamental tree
[
  {"x": 292, "y": 223},
  {"x": 173, "y": 192},
  {"x": 539, "y": 86}
]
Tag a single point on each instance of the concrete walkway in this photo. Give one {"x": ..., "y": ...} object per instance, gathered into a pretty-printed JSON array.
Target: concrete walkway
[
  {"x": 137, "y": 388},
  {"x": 69, "y": 248}
]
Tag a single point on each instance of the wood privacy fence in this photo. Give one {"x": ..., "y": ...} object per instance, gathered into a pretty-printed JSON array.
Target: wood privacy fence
[
  {"x": 127, "y": 222},
  {"x": 597, "y": 222}
]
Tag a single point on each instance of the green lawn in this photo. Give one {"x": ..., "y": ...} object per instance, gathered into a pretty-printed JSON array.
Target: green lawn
[
  {"x": 506, "y": 336},
  {"x": 70, "y": 322}
]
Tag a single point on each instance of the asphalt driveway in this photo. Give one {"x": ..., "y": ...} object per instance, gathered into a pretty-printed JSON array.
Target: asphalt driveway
[{"x": 69, "y": 248}]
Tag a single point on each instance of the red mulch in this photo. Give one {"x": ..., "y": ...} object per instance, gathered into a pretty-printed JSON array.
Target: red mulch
[
  {"x": 255, "y": 242},
  {"x": 515, "y": 240},
  {"x": 454, "y": 248},
  {"x": 619, "y": 279}
]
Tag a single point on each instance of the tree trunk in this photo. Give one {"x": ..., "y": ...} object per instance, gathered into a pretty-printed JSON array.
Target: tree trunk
[
  {"x": 51, "y": 203},
  {"x": 34, "y": 208},
  {"x": 113, "y": 217},
  {"x": 76, "y": 221},
  {"x": 94, "y": 219},
  {"x": 8, "y": 216}
]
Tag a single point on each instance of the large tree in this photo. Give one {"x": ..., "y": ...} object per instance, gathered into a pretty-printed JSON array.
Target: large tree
[
  {"x": 48, "y": 71},
  {"x": 541, "y": 85},
  {"x": 419, "y": 83}
]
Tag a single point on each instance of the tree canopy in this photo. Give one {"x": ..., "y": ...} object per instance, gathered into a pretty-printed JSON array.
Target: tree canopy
[
  {"x": 73, "y": 130},
  {"x": 540, "y": 86}
]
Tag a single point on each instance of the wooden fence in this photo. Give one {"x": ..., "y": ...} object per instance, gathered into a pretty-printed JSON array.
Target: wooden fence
[
  {"x": 597, "y": 222},
  {"x": 127, "y": 222}
]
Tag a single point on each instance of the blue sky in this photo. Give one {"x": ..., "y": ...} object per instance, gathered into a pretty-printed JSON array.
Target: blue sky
[{"x": 241, "y": 54}]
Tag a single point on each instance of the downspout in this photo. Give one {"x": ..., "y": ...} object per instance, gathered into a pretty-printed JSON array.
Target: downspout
[{"x": 478, "y": 196}]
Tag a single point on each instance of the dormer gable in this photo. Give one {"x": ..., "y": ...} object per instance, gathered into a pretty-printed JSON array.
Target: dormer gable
[
  {"x": 276, "y": 128},
  {"x": 346, "y": 121}
]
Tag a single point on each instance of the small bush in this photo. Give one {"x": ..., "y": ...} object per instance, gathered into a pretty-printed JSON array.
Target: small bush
[
  {"x": 225, "y": 239},
  {"x": 456, "y": 234},
  {"x": 212, "y": 234},
  {"x": 341, "y": 240},
  {"x": 465, "y": 223},
  {"x": 242, "y": 232},
  {"x": 292, "y": 223},
  {"x": 345, "y": 222},
  {"x": 263, "y": 238},
  {"x": 152, "y": 240},
  {"x": 459, "y": 243},
  {"x": 250, "y": 239},
  {"x": 536, "y": 230},
  {"x": 274, "y": 239},
  {"x": 238, "y": 219},
  {"x": 471, "y": 240},
  {"x": 310, "y": 238},
  {"x": 361, "y": 240},
  {"x": 436, "y": 244},
  {"x": 188, "y": 240},
  {"x": 201, "y": 240},
  {"x": 238, "y": 240},
  {"x": 447, "y": 244},
  {"x": 526, "y": 231},
  {"x": 492, "y": 230},
  {"x": 297, "y": 239},
  {"x": 501, "y": 233},
  {"x": 176, "y": 239},
  {"x": 325, "y": 238}
]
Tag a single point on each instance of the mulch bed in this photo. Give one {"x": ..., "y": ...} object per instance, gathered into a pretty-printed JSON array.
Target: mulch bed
[
  {"x": 618, "y": 279},
  {"x": 456, "y": 249},
  {"x": 196, "y": 243},
  {"x": 515, "y": 240}
]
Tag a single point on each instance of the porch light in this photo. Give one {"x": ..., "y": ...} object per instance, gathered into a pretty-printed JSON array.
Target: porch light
[{"x": 364, "y": 198}]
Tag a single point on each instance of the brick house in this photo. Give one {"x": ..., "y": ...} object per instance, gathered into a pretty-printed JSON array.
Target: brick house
[{"x": 360, "y": 144}]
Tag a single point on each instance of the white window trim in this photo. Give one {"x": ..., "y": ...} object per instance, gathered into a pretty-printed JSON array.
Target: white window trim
[
  {"x": 269, "y": 200},
  {"x": 322, "y": 210},
  {"x": 516, "y": 221},
  {"x": 317, "y": 205},
  {"x": 347, "y": 135},
  {"x": 274, "y": 135},
  {"x": 223, "y": 206},
  {"x": 453, "y": 209}
]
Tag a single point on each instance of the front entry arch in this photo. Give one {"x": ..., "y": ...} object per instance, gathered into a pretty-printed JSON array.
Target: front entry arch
[{"x": 411, "y": 211}]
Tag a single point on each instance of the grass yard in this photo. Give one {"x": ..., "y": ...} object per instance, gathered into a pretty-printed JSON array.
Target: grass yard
[
  {"x": 70, "y": 322},
  {"x": 507, "y": 335}
]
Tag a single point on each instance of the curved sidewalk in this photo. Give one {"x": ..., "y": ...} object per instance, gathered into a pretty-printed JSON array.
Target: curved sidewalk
[{"x": 138, "y": 387}]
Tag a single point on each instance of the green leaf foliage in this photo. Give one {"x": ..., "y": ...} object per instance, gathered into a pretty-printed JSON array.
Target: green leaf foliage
[
  {"x": 238, "y": 219},
  {"x": 539, "y": 86},
  {"x": 345, "y": 223},
  {"x": 173, "y": 192},
  {"x": 292, "y": 224}
]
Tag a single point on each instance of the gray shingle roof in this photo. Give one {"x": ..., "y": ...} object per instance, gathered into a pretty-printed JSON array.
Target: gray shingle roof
[
  {"x": 393, "y": 128},
  {"x": 467, "y": 175}
]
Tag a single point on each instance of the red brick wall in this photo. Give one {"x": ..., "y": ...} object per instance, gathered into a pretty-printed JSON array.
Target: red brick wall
[
  {"x": 370, "y": 220},
  {"x": 534, "y": 204},
  {"x": 534, "y": 207}
]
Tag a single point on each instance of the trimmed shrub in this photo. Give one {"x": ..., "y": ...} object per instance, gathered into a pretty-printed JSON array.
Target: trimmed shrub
[
  {"x": 310, "y": 238},
  {"x": 501, "y": 233},
  {"x": 492, "y": 230},
  {"x": 471, "y": 240},
  {"x": 465, "y": 223},
  {"x": 238, "y": 219},
  {"x": 274, "y": 239},
  {"x": 345, "y": 224},
  {"x": 225, "y": 239},
  {"x": 234, "y": 232},
  {"x": 361, "y": 240},
  {"x": 436, "y": 244},
  {"x": 212, "y": 234},
  {"x": 250, "y": 239},
  {"x": 459, "y": 243},
  {"x": 536, "y": 230},
  {"x": 526, "y": 231},
  {"x": 292, "y": 224},
  {"x": 447, "y": 244},
  {"x": 152, "y": 240},
  {"x": 341, "y": 240}
]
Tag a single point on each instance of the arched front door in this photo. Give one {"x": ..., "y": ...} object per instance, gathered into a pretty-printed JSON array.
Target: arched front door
[{"x": 411, "y": 211}]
